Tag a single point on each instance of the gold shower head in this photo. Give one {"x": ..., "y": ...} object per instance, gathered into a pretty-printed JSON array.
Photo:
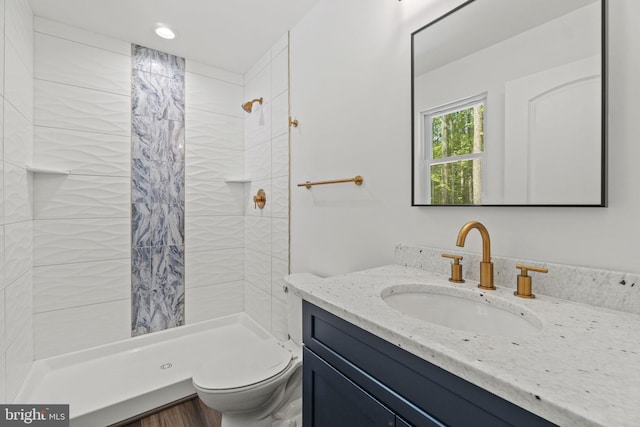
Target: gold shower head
[{"x": 248, "y": 106}]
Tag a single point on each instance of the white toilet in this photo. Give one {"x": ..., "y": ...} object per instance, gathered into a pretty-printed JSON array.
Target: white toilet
[{"x": 255, "y": 382}]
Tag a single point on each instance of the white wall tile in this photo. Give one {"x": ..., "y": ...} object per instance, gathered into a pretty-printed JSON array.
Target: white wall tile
[
  {"x": 83, "y": 153},
  {"x": 257, "y": 269},
  {"x": 3, "y": 281},
  {"x": 254, "y": 72},
  {"x": 19, "y": 306},
  {"x": 216, "y": 96},
  {"x": 18, "y": 84},
  {"x": 267, "y": 127},
  {"x": 259, "y": 84},
  {"x": 280, "y": 197},
  {"x": 18, "y": 195},
  {"x": 213, "y": 129},
  {"x": 69, "y": 107},
  {"x": 19, "y": 358},
  {"x": 257, "y": 162},
  {"x": 257, "y": 125},
  {"x": 210, "y": 302},
  {"x": 57, "y": 29},
  {"x": 3, "y": 334},
  {"x": 3, "y": 376},
  {"x": 2, "y": 102},
  {"x": 280, "y": 156},
  {"x": 18, "y": 137},
  {"x": 16, "y": 237},
  {"x": 280, "y": 115},
  {"x": 212, "y": 233},
  {"x": 206, "y": 163},
  {"x": 280, "y": 73},
  {"x": 204, "y": 198},
  {"x": 81, "y": 240},
  {"x": 2, "y": 32},
  {"x": 213, "y": 267},
  {"x": 279, "y": 269},
  {"x": 63, "y": 331},
  {"x": 280, "y": 238},
  {"x": 19, "y": 29},
  {"x": 257, "y": 304},
  {"x": 81, "y": 196},
  {"x": 279, "y": 327},
  {"x": 257, "y": 234},
  {"x": 18, "y": 249},
  {"x": 63, "y": 286},
  {"x": 1, "y": 197},
  {"x": 78, "y": 64},
  {"x": 214, "y": 73},
  {"x": 280, "y": 45}
]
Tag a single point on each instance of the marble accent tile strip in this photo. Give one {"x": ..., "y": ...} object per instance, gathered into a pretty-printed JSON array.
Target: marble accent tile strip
[
  {"x": 157, "y": 190},
  {"x": 600, "y": 288}
]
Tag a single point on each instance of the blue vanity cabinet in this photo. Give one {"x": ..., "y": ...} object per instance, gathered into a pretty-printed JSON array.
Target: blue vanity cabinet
[
  {"x": 353, "y": 378},
  {"x": 337, "y": 402}
]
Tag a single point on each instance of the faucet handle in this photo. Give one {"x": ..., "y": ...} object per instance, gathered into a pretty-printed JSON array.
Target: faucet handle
[
  {"x": 524, "y": 280},
  {"x": 260, "y": 199},
  {"x": 456, "y": 268}
]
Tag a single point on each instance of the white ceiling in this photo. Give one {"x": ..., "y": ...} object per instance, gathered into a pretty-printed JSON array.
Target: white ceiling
[{"x": 231, "y": 35}]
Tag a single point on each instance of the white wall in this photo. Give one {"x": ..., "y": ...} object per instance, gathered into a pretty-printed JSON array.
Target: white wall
[
  {"x": 266, "y": 235},
  {"x": 16, "y": 211},
  {"x": 350, "y": 89}
]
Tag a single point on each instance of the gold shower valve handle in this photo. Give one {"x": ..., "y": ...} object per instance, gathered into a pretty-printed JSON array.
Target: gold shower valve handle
[
  {"x": 524, "y": 280},
  {"x": 456, "y": 268},
  {"x": 260, "y": 199}
]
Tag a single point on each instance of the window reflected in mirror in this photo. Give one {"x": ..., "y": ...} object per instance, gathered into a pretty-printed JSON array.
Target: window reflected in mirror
[{"x": 453, "y": 167}]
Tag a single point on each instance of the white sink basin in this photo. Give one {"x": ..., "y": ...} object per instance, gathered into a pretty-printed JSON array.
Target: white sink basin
[{"x": 463, "y": 309}]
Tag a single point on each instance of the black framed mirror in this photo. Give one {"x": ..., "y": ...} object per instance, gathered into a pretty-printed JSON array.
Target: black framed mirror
[{"x": 509, "y": 105}]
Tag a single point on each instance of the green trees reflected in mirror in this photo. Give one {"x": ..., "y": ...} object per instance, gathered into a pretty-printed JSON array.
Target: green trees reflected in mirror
[{"x": 455, "y": 164}]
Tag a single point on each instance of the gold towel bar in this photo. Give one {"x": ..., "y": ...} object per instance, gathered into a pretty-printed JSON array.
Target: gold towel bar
[{"x": 358, "y": 181}]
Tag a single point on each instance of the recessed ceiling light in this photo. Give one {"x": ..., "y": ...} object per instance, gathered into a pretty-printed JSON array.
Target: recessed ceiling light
[{"x": 165, "y": 32}]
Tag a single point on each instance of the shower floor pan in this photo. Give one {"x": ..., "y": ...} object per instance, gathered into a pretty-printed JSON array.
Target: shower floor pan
[{"x": 110, "y": 383}]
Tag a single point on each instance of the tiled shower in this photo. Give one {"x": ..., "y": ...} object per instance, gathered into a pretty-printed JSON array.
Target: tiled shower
[{"x": 68, "y": 237}]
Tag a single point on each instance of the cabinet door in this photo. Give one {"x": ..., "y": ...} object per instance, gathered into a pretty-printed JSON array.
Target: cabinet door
[{"x": 332, "y": 400}]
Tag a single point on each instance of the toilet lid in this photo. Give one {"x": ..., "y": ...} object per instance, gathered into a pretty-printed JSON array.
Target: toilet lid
[{"x": 242, "y": 365}]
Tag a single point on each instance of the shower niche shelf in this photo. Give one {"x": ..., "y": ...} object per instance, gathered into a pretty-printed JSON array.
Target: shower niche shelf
[
  {"x": 237, "y": 180},
  {"x": 47, "y": 170}
]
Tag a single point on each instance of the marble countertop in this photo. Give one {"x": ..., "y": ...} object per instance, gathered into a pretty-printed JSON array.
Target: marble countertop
[{"x": 582, "y": 368}]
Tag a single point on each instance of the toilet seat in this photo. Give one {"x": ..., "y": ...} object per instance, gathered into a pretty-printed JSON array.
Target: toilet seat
[{"x": 237, "y": 367}]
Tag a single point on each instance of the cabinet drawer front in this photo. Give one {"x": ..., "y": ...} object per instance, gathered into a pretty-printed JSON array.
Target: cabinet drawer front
[{"x": 408, "y": 382}]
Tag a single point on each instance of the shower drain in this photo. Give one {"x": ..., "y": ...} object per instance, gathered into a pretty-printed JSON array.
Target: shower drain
[{"x": 166, "y": 365}]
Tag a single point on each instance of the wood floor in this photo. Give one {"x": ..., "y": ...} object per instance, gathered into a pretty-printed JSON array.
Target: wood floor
[{"x": 189, "y": 413}]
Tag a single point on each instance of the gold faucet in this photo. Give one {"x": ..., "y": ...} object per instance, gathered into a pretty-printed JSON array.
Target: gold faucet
[{"x": 486, "y": 266}]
